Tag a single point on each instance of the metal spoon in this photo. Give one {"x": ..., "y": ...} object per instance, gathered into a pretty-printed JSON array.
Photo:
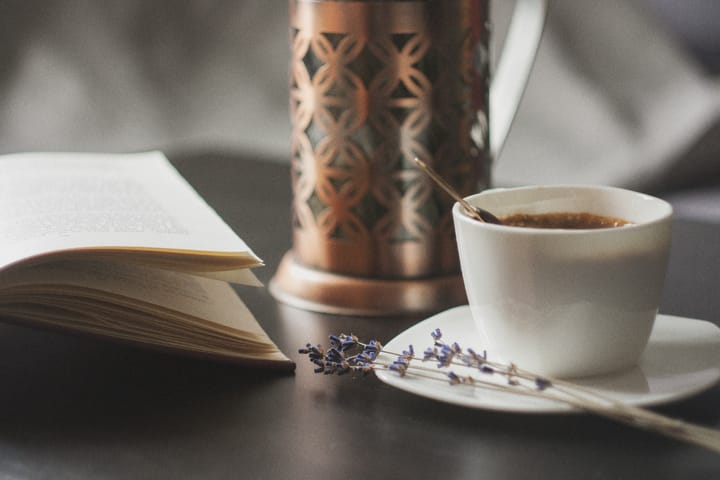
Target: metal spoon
[{"x": 476, "y": 212}]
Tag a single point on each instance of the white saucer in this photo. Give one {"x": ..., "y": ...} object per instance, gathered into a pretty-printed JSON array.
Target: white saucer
[{"x": 682, "y": 359}]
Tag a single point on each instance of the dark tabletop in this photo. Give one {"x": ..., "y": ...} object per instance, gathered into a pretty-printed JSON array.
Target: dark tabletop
[{"x": 74, "y": 408}]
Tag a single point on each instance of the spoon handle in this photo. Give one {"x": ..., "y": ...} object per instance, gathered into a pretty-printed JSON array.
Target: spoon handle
[{"x": 476, "y": 213}]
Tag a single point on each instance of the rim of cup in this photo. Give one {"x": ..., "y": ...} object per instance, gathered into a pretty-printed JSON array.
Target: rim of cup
[{"x": 645, "y": 210}]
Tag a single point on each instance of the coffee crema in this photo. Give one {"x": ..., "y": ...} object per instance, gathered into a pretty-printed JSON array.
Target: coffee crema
[{"x": 566, "y": 220}]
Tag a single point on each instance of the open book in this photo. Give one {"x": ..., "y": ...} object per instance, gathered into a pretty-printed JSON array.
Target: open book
[{"x": 120, "y": 246}]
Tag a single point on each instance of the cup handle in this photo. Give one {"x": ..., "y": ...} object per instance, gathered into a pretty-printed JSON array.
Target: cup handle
[{"x": 513, "y": 68}]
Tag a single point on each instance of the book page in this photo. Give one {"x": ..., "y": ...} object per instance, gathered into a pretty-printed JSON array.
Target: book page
[
  {"x": 137, "y": 303},
  {"x": 53, "y": 202}
]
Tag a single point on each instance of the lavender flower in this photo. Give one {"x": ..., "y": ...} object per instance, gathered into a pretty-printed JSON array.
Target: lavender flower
[
  {"x": 345, "y": 355},
  {"x": 402, "y": 363},
  {"x": 542, "y": 383},
  {"x": 436, "y": 334}
]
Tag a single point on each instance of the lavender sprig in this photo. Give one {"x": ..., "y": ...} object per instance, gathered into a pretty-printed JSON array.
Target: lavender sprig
[{"x": 347, "y": 354}]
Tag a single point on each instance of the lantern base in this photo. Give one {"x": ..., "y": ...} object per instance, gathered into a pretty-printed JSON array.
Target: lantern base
[{"x": 326, "y": 292}]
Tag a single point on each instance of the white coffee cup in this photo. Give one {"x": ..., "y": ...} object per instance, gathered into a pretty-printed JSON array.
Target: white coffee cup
[{"x": 565, "y": 302}]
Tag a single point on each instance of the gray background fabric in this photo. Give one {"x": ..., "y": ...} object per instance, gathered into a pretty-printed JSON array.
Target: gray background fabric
[
  {"x": 614, "y": 98},
  {"x": 623, "y": 92},
  {"x": 124, "y": 75}
]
